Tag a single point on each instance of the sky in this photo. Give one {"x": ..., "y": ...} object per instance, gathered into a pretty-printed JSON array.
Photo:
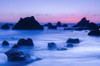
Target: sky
[{"x": 68, "y": 11}]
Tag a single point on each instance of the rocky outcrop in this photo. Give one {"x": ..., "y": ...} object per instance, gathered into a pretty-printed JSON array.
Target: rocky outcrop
[
  {"x": 71, "y": 40},
  {"x": 28, "y": 23},
  {"x": 24, "y": 42},
  {"x": 94, "y": 33},
  {"x": 5, "y": 26},
  {"x": 83, "y": 23},
  {"x": 15, "y": 55},
  {"x": 5, "y": 43}
]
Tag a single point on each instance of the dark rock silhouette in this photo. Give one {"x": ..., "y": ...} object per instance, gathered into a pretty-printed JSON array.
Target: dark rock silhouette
[
  {"x": 28, "y": 23},
  {"x": 69, "y": 45},
  {"x": 65, "y": 25},
  {"x": 58, "y": 24},
  {"x": 52, "y": 27},
  {"x": 52, "y": 45},
  {"x": 71, "y": 40},
  {"x": 94, "y": 33},
  {"x": 5, "y": 26},
  {"x": 93, "y": 26},
  {"x": 23, "y": 42},
  {"x": 5, "y": 43},
  {"x": 83, "y": 23},
  {"x": 49, "y": 24},
  {"x": 15, "y": 46},
  {"x": 15, "y": 55}
]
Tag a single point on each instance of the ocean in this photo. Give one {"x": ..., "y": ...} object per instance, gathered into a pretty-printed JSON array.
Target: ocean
[{"x": 86, "y": 53}]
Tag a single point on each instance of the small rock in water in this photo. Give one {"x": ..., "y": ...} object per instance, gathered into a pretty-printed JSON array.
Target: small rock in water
[
  {"x": 23, "y": 42},
  {"x": 15, "y": 55},
  {"x": 58, "y": 24},
  {"x": 71, "y": 40},
  {"x": 52, "y": 46},
  {"x": 5, "y": 26},
  {"x": 69, "y": 45},
  {"x": 5, "y": 43}
]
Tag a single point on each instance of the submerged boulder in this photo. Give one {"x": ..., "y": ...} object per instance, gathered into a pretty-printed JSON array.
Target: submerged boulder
[
  {"x": 15, "y": 55},
  {"x": 5, "y": 43},
  {"x": 5, "y": 26},
  {"x": 62, "y": 48},
  {"x": 24, "y": 42},
  {"x": 94, "y": 33},
  {"x": 83, "y": 23},
  {"x": 71, "y": 40},
  {"x": 28, "y": 23}
]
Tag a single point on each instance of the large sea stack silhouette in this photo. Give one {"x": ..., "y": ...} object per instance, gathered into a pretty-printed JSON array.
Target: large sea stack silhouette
[
  {"x": 83, "y": 23},
  {"x": 28, "y": 23}
]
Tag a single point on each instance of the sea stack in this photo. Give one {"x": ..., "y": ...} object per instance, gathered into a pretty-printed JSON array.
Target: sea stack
[
  {"x": 83, "y": 23},
  {"x": 28, "y": 23}
]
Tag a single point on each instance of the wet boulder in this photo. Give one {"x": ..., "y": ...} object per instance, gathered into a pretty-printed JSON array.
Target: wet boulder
[
  {"x": 5, "y": 43},
  {"x": 15, "y": 55},
  {"x": 71, "y": 40},
  {"x": 5, "y": 26},
  {"x": 58, "y": 24},
  {"x": 28, "y": 23},
  {"x": 69, "y": 45},
  {"x": 94, "y": 33},
  {"x": 52, "y": 45},
  {"x": 25, "y": 42},
  {"x": 82, "y": 23}
]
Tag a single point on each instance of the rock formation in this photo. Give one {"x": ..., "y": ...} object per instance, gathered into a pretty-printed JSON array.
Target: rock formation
[
  {"x": 58, "y": 24},
  {"x": 28, "y": 23},
  {"x": 23, "y": 42},
  {"x": 52, "y": 45},
  {"x": 5, "y": 26},
  {"x": 5, "y": 43},
  {"x": 93, "y": 26},
  {"x": 83, "y": 23}
]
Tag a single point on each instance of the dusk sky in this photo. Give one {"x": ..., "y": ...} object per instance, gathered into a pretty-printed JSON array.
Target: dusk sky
[{"x": 50, "y": 10}]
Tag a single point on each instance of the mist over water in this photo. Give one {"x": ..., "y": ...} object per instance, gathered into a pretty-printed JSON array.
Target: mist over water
[{"x": 86, "y": 53}]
